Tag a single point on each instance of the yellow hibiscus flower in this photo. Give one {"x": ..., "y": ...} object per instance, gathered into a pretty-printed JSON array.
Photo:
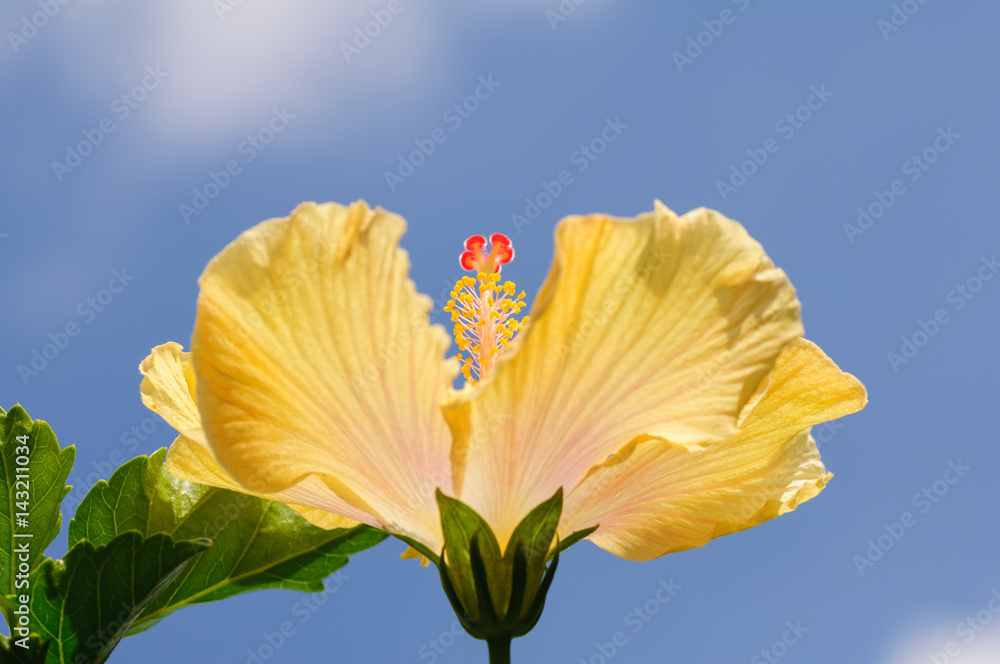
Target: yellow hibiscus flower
[{"x": 661, "y": 382}]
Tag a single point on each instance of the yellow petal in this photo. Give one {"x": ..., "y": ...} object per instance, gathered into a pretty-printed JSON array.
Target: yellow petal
[
  {"x": 323, "y": 518},
  {"x": 315, "y": 358},
  {"x": 654, "y": 497},
  {"x": 659, "y": 325},
  {"x": 168, "y": 388}
]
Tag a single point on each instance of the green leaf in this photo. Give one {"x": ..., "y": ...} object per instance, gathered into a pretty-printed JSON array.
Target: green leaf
[
  {"x": 12, "y": 653},
  {"x": 257, "y": 544},
  {"x": 88, "y": 601},
  {"x": 40, "y": 488}
]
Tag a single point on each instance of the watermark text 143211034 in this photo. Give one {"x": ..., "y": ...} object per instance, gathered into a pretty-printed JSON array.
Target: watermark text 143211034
[{"x": 21, "y": 546}]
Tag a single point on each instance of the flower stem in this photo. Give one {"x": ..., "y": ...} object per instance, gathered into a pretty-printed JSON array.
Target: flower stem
[{"x": 499, "y": 650}]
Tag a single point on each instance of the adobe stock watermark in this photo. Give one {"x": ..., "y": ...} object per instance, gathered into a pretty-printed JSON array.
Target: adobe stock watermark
[
  {"x": 122, "y": 107},
  {"x": 786, "y": 126},
  {"x": 826, "y": 432},
  {"x": 442, "y": 477},
  {"x": 722, "y": 362},
  {"x": 781, "y": 646},
  {"x": 958, "y": 297},
  {"x": 924, "y": 501},
  {"x": 899, "y": 17},
  {"x": 635, "y": 620},
  {"x": 32, "y": 23},
  {"x": 597, "y": 316},
  {"x": 287, "y": 283},
  {"x": 581, "y": 158},
  {"x": 968, "y": 630},
  {"x": 107, "y": 630},
  {"x": 914, "y": 168},
  {"x": 454, "y": 116},
  {"x": 714, "y": 28},
  {"x": 249, "y": 149},
  {"x": 224, "y": 7},
  {"x": 432, "y": 649},
  {"x": 303, "y": 610},
  {"x": 129, "y": 439},
  {"x": 364, "y": 34},
  {"x": 86, "y": 312},
  {"x": 562, "y": 12},
  {"x": 387, "y": 354},
  {"x": 21, "y": 497}
]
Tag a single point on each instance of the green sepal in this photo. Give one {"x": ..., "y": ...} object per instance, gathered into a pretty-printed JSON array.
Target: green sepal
[
  {"x": 572, "y": 539},
  {"x": 498, "y": 597},
  {"x": 534, "y": 537},
  {"x": 533, "y": 615},
  {"x": 460, "y": 524},
  {"x": 449, "y": 590},
  {"x": 481, "y": 579},
  {"x": 518, "y": 579}
]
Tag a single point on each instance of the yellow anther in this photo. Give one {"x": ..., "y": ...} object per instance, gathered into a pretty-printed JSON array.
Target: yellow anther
[{"x": 412, "y": 553}]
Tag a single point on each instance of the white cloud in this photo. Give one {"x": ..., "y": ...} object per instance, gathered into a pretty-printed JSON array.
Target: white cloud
[
  {"x": 949, "y": 642},
  {"x": 228, "y": 65},
  {"x": 273, "y": 53}
]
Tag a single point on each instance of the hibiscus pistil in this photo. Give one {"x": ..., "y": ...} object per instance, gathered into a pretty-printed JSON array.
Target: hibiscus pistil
[{"x": 484, "y": 310}]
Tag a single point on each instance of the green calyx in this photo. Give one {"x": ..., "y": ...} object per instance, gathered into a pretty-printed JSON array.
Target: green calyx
[{"x": 499, "y": 596}]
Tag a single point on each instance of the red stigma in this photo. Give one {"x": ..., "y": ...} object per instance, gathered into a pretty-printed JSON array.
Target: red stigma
[{"x": 476, "y": 258}]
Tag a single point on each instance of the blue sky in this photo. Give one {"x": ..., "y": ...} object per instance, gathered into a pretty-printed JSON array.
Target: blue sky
[{"x": 885, "y": 107}]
